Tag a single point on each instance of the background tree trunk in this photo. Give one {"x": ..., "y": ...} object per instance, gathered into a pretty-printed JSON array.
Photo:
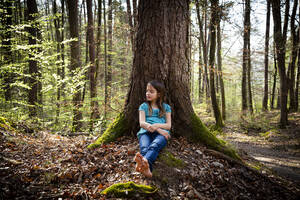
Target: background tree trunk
[
  {"x": 274, "y": 79},
  {"x": 92, "y": 71},
  {"x": 220, "y": 72},
  {"x": 201, "y": 42},
  {"x": 293, "y": 57},
  {"x": 246, "y": 55},
  {"x": 6, "y": 20},
  {"x": 280, "y": 39},
  {"x": 33, "y": 68},
  {"x": 212, "y": 53},
  {"x": 98, "y": 42},
  {"x": 75, "y": 61},
  {"x": 109, "y": 55},
  {"x": 58, "y": 49},
  {"x": 266, "y": 91},
  {"x": 162, "y": 54}
]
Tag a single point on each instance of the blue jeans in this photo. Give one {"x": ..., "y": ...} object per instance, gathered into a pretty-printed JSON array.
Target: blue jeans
[{"x": 150, "y": 146}]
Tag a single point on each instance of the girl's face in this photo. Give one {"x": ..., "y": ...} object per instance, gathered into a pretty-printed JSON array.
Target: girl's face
[{"x": 151, "y": 93}]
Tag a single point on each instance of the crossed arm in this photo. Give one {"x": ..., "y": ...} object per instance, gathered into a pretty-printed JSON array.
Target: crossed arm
[{"x": 156, "y": 127}]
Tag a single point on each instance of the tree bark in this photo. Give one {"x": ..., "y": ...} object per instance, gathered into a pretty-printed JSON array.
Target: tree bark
[
  {"x": 75, "y": 61},
  {"x": 280, "y": 39},
  {"x": 92, "y": 71},
  {"x": 212, "y": 53},
  {"x": 33, "y": 68},
  {"x": 162, "y": 54},
  {"x": 220, "y": 72},
  {"x": 266, "y": 89}
]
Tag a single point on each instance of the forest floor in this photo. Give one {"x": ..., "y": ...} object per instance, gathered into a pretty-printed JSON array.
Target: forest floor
[
  {"x": 276, "y": 149},
  {"x": 43, "y": 165}
]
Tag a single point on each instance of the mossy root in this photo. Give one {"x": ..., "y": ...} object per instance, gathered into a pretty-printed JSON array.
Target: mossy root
[{"x": 128, "y": 189}]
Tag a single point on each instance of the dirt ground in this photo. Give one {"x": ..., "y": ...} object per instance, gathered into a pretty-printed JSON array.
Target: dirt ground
[{"x": 277, "y": 149}]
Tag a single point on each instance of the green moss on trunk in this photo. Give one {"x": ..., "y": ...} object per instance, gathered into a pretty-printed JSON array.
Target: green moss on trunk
[
  {"x": 202, "y": 134},
  {"x": 116, "y": 129},
  {"x": 128, "y": 189}
]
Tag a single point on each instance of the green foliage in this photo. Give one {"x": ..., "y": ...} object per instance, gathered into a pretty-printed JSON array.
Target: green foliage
[{"x": 129, "y": 189}]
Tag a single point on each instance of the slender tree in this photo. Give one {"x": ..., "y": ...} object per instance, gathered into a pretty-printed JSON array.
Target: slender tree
[
  {"x": 201, "y": 39},
  {"x": 92, "y": 70},
  {"x": 58, "y": 50},
  {"x": 266, "y": 91},
  {"x": 167, "y": 61},
  {"x": 6, "y": 20},
  {"x": 212, "y": 53},
  {"x": 220, "y": 72},
  {"x": 108, "y": 74},
  {"x": 246, "y": 54},
  {"x": 75, "y": 61},
  {"x": 98, "y": 42},
  {"x": 293, "y": 57},
  {"x": 274, "y": 79},
  {"x": 33, "y": 67},
  {"x": 129, "y": 16},
  {"x": 280, "y": 39},
  {"x": 298, "y": 75}
]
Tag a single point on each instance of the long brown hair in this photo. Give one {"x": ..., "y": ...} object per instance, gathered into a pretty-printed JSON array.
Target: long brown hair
[{"x": 160, "y": 88}]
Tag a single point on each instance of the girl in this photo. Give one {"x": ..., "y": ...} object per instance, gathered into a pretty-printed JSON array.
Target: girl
[{"x": 155, "y": 123}]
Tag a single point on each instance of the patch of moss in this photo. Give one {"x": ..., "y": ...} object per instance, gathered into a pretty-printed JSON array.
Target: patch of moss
[
  {"x": 170, "y": 160},
  {"x": 202, "y": 134},
  {"x": 116, "y": 129},
  {"x": 128, "y": 189}
]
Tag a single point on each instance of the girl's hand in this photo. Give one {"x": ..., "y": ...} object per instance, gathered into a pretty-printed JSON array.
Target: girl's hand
[
  {"x": 167, "y": 136},
  {"x": 151, "y": 128}
]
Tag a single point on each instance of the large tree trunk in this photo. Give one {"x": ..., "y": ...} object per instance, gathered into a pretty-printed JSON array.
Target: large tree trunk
[
  {"x": 246, "y": 55},
  {"x": 92, "y": 71},
  {"x": 162, "y": 54},
  {"x": 75, "y": 61},
  {"x": 280, "y": 39},
  {"x": 293, "y": 57},
  {"x": 266, "y": 91},
  {"x": 212, "y": 53},
  {"x": 33, "y": 68},
  {"x": 220, "y": 72}
]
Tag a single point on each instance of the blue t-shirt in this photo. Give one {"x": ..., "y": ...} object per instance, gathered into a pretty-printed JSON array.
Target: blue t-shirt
[{"x": 154, "y": 118}]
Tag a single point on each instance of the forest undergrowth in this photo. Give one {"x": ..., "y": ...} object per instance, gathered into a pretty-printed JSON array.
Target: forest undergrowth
[{"x": 36, "y": 164}]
